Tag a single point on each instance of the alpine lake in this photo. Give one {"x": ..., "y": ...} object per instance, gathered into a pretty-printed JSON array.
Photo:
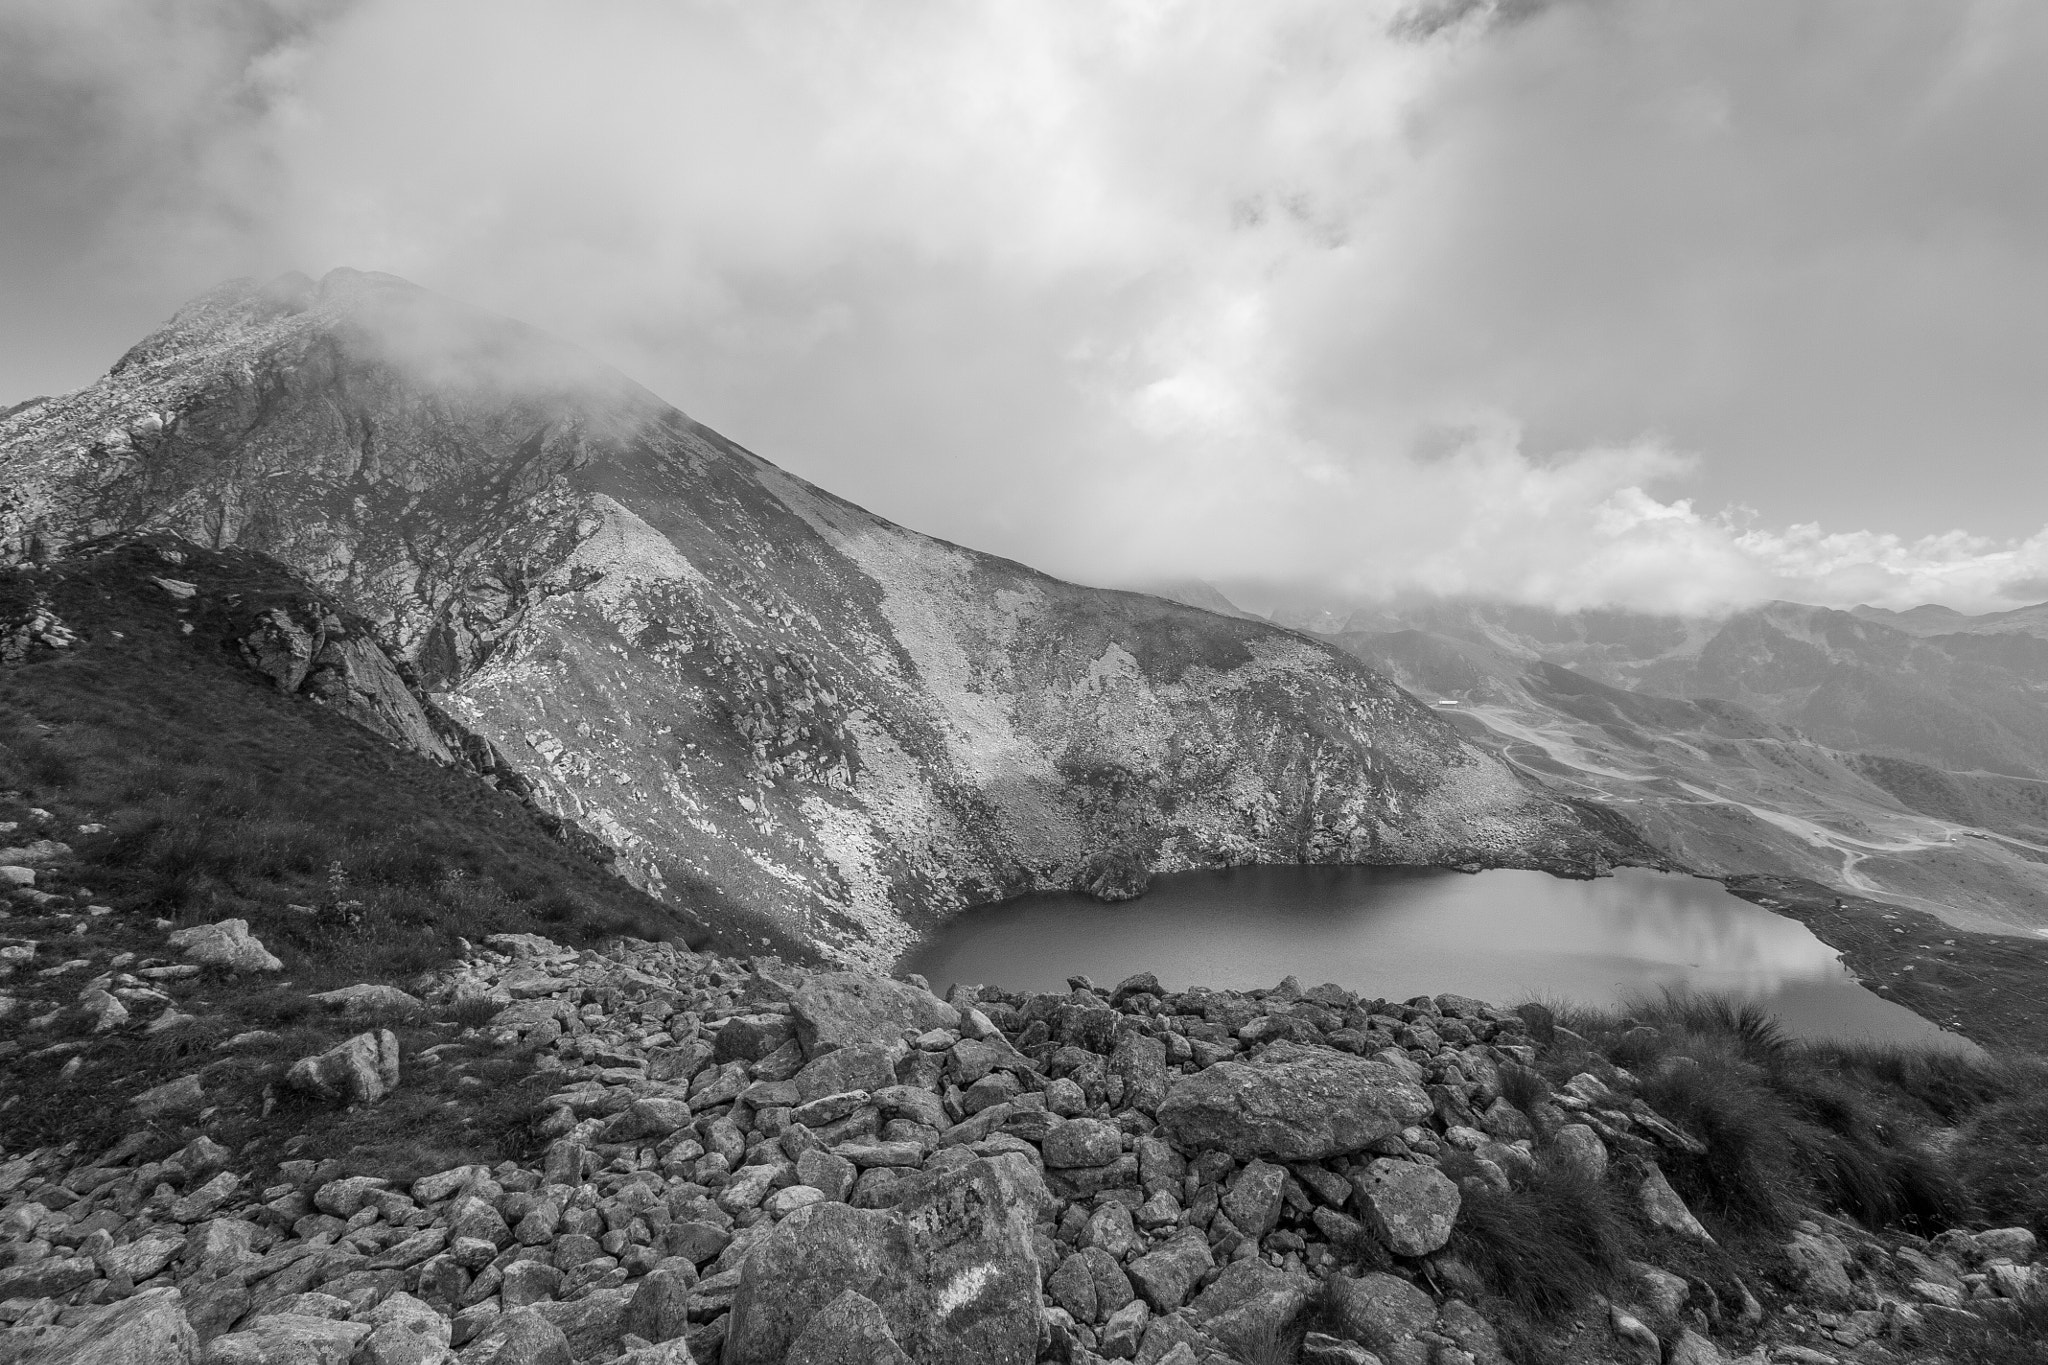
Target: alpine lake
[{"x": 1502, "y": 936}]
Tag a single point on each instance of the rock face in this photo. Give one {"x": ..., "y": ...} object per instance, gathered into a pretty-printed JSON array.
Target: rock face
[
  {"x": 1304, "y": 1105},
  {"x": 760, "y": 695}
]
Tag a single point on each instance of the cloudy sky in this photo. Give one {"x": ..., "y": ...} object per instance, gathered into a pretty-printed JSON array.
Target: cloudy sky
[{"x": 1656, "y": 303}]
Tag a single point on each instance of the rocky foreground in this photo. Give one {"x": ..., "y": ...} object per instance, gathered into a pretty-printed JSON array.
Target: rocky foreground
[{"x": 754, "y": 1163}]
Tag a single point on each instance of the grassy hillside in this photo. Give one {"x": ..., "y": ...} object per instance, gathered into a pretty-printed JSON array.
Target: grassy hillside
[{"x": 190, "y": 790}]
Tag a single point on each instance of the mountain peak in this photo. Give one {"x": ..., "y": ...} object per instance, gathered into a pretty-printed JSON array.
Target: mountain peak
[{"x": 763, "y": 697}]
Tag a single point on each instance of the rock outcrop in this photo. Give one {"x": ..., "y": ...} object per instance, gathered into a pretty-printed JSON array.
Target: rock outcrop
[{"x": 758, "y": 694}]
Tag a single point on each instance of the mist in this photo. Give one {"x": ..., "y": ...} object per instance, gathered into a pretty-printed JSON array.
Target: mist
[{"x": 1654, "y": 305}]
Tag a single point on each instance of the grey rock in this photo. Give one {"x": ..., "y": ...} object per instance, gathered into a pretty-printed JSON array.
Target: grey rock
[
  {"x": 1255, "y": 1198},
  {"x": 173, "y": 1099},
  {"x": 404, "y": 1331},
  {"x": 841, "y": 1009},
  {"x": 1408, "y": 1206},
  {"x": 952, "y": 1268},
  {"x": 147, "y": 1329},
  {"x": 1082, "y": 1142},
  {"x": 47, "y": 1278},
  {"x": 1379, "y": 1310},
  {"x": 1251, "y": 1303},
  {"x": 855, "y": 1065},
  {"x": 593, "y": 1324},
  {"x": 227, "y": 944},
  {"x": 1663, "y": 1207},
  {"x": 519, "y": 1338},
  {"x": 1581, "y": 1149},
  {"x": 1320, "y": 1348},
  {"x": 659, "y": 1308},
  {"x": 288, "y": 1339},
  {"x": 850, "y": 1330},
  {"x": 361, "y": 1070},
  {"x": 1124, "y": 1333},
  {"x": 368, "y": 998},
  {"x": 1303, "y": 1105},
  {"x": 2014, "y": 1244},
  {"x": 1166, "y": 1275}
]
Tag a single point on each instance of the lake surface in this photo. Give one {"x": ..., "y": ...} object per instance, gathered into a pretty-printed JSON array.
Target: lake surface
[{"x": 1401, "y": 932}]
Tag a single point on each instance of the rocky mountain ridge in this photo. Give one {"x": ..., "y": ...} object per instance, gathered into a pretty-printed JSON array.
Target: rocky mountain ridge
[{"x": 760, "y": 695}]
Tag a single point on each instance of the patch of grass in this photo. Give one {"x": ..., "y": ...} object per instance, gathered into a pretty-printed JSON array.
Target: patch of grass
[
  {"x": 352, "y": 860},
  {"x": 2001, "y": 1155},
  {"x": 1546, "y": 1244},
  {"x": 1788, "y": 1124},
  {"x": 2006, "y": 1332}
]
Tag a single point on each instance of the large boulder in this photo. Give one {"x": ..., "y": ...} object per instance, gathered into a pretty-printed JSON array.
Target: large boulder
[
  {"x": 1378, "y": 1310},
  {"x": 148, "y": 1329},
  {"x": 951, "y": 1268},
  {"x": 404, "y": 1331},
  {"x": 361, "y": 1070},
  {"x": 521, "y": 1337},
  {"x": 849, "y": 1331},
  {"x": 1295, "y": 1104},
  {"x": 226, "y": 944},
  {"x": 839, "y": 1009},
  {"x": 1408, "y": 1206},
  {"x": 368, "y": 998},
  {"x": 288, "y": 1339}
]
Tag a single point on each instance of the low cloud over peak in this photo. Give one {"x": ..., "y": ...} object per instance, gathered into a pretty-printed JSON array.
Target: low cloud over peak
[{"x": 1579, "y": 304}]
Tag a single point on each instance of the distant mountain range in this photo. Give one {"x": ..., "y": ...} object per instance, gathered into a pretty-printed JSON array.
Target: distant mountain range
[
  {"x": 760, "y": 695},
  {"x": 1863, "y": 749}
]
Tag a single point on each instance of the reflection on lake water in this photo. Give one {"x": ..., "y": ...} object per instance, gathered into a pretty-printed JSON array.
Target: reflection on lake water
[{"x": 1402, "y": 932}]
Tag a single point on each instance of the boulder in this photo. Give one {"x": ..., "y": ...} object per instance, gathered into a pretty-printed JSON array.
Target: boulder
[
  {"x": 952, "y": 1268},
  {"x": 659, "y": 1308},
  {"x": 173, "y": 1099},
  {"x": 1295, "y": 1104},
  {"x": 47, "y": 1278},
  {"x": 1379, "y": 1310},
  {"x": 858, "y": 1065},
  {"x": 1254, "y": 1201},
  {"x": 1666, "y": 1210},
  {"x": 1082, "y": 1142},
  {"x": 367, "y": 998},
  {"x": 1408, "y": 1206},
  {"x": 2013, "y": 1244},
  {"x": 148, "y": 1329},
  {"x": 361, "y": 1070},
  {"x": 839, "y": 1009},
  {"x": 593, "y": 1324},
  {"x": 655, "y": 1116},
  {"x": 1251, "y": 1303},
  {"x": 1581, "y": 1150},
  {"x": 288, "y": 1339},
  {"x": 1165, "y": 1275},
  {"x": 850, "y": 1330},
  {"x": 522, "y": 1337},
  {"x": 227, "y": 944},
  {"x": 404, "y": 1331}
]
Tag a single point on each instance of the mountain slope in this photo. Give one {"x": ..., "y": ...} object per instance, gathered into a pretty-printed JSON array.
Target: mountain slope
[
  {"x": 1724, "y": 790},
  {"x": 1965, "y": 701},
  {"x": 761, "y": 695}
]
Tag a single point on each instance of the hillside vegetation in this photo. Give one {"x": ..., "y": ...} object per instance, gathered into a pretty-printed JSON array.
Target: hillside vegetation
[{"x": 185, "y": 788}]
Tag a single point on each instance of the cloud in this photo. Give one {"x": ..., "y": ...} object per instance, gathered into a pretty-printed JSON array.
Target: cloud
[{"x": 1528, "y": 300}]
